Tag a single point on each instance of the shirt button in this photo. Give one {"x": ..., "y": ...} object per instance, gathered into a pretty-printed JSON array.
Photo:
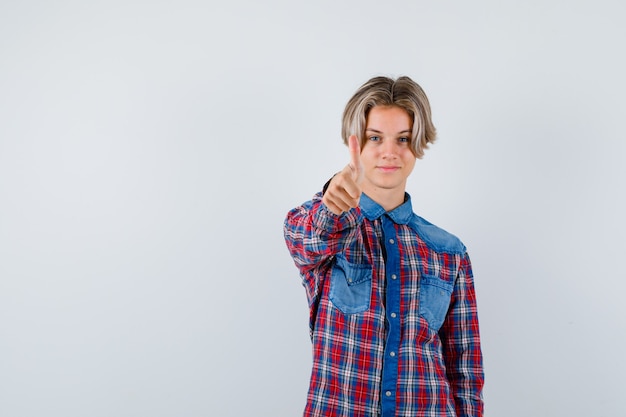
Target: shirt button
[
  {"x": 391, "y": 241},
  {"x": 388, "y": 393},
  {"x": 392, "y": 354},
  {"x": 393, "y": 276},
  {"x": 393, "y": 315}
]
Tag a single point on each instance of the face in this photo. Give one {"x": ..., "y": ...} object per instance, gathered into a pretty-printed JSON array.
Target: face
[{"x": 386, "y": 155}]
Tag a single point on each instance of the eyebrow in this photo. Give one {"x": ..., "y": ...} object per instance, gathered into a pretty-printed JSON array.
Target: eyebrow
[{"x": 378, "y": 131}]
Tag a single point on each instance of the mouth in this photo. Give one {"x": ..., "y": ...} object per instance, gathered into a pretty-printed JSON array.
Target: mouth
[{"x": 388, "y": 168}]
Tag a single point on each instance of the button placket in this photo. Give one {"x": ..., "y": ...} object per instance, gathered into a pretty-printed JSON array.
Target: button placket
[{"x": 392, "y": 345}]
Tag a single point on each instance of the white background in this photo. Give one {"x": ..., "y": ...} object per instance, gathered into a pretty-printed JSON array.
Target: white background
[{"x": 149, "y": 152}]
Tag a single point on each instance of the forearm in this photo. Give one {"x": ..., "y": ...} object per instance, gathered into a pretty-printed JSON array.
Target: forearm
[{"x": 313, "y": 233}]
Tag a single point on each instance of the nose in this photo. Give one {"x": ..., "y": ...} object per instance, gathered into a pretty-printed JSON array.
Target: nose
[{"x": 389, "y": 149}]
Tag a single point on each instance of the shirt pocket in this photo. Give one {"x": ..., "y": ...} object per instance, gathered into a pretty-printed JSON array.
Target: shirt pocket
[
  {"x": 350, "y": 286},
  {"x": 434, "y": 300}
]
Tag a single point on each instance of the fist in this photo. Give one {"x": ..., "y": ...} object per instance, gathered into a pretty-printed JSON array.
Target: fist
[{"x": 344, "y": 191}]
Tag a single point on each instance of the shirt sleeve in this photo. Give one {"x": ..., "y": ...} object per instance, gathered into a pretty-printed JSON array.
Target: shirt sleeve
[
  {"x": 314, "y": 234},
  {"x": 461, "y": 345}
]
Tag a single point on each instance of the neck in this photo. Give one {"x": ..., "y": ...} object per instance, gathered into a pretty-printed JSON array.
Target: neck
[{"x": 389, "y": 199}]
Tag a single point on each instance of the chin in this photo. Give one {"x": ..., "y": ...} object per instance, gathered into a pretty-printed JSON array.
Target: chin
[{"x": 388, "y": 186}]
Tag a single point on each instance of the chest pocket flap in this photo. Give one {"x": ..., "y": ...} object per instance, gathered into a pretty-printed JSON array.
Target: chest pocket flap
[
  {"x": 350, "y": 286},
  {"x": 434, "y": 300}
]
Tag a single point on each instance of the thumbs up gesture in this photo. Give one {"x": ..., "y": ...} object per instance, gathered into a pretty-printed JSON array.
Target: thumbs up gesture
[{"x": 344, "y": 191}]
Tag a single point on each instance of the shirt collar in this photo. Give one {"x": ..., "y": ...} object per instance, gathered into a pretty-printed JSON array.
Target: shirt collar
[{"x": 372, "y": 210}]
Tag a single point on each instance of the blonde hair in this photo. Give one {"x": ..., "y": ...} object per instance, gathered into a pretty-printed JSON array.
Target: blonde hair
[{"x": 402, "y": 92}]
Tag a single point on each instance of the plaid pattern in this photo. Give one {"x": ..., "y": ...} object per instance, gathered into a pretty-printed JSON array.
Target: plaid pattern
[{"x": 393, "y": 317}]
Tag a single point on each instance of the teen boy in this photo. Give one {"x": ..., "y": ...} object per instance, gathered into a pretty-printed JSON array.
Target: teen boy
[{"x": 393, "y": 316}]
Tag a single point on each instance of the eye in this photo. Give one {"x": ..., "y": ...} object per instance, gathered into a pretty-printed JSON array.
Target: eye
[
  {"x": 404, "y": 139},
  {"x": 375, "y": 138}
]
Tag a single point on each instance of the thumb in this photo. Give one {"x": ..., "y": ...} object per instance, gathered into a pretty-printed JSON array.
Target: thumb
[{"x": 355, "y": 157}]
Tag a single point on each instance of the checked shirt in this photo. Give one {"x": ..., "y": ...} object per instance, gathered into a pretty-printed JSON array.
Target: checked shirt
[{"x": 393, "y": 318}]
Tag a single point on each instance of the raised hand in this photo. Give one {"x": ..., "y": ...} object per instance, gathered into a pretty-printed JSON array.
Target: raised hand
[{"x": 344, "y": 191}]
